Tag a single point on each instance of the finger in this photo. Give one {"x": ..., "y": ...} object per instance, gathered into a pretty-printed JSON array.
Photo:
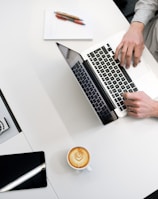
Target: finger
[
  {"x": 136, "y": 61},
  {"x": 129, "y": 55},
  {"x": 124, "y": 95},
  {"x": 128, "y": 95},
  {"x": 117, "y": 51},
  {"x": 123, "y": 54},
  {"x": 131, "y": 96},
  {"x": 136, "y": 58},
  {"x": 133, "y": 114},
  {"x": 131, "y": 105},
  {"x": 137, "y": 55},
  {"x": 132, "y": 109}
]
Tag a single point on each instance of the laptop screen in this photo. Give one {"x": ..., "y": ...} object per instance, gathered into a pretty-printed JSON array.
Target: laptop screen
[{"x": 71, "y": 56}]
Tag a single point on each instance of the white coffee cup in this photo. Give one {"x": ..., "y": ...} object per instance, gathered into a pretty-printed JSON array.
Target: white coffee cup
[{"x": 78, "y": 158}]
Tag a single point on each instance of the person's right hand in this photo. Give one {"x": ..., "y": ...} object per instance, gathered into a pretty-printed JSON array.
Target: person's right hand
[
  {"x": 140, "y": 105},
  {"x": 132, "y": 45}
]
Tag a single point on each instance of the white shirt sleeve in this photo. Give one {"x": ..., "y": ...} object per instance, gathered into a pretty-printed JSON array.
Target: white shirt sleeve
[{"x": 145, "y": 10}]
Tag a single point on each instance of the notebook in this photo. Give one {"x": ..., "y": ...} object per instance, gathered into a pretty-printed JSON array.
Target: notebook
[
  {"x": 103, "y": 80},
  {"x": 153, "y": 195},
  {"x": 22, "y": 171}
]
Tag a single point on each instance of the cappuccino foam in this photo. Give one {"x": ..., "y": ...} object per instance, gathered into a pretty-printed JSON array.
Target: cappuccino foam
[{"x": 78, "y": 157}]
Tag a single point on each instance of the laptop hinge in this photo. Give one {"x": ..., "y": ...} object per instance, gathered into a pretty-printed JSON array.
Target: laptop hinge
[{"x": 99, "y": 87}]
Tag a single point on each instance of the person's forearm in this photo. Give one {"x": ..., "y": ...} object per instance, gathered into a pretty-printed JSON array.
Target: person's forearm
[
  {"x": 145, "y": 10},
  {"x": 137, "y": 26}
]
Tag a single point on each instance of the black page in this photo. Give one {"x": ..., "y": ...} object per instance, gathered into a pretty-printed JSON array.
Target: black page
[
  {"x": 153, "y": 195},
  {"x": 15, "y": 165}
]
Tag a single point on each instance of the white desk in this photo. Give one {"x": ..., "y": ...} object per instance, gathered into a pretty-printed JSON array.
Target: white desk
[{"x": 54, "y": 114}]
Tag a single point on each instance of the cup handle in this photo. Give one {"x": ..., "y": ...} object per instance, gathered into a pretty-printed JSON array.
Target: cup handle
[{"x": 89, "y": 168}]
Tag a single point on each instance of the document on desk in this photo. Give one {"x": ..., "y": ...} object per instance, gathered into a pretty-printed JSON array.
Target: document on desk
[
  {"x": 56, "y": 28},
  {"x": 22, "y": 171}
]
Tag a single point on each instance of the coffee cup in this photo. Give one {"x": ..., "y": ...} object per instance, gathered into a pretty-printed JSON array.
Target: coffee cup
[{"x": 78, "y": 158}]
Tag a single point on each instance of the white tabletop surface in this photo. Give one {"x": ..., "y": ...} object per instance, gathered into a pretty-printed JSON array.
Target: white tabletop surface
[{"x": 54, "y": 114}]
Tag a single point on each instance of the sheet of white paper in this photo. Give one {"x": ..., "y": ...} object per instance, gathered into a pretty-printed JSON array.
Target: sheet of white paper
[{"x": 57, "y": 29}]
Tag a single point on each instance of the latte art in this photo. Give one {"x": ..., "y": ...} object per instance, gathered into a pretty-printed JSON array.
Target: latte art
[{"x": 78, "y": 157}]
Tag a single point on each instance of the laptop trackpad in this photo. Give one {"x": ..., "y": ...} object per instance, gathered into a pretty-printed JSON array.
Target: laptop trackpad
[{"x": 149, "y": 84}]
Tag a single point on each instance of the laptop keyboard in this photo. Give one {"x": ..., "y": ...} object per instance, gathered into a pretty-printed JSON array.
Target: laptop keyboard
[
  {"x": 92, "y": 93},
  {"x": 114, "y": 76}
]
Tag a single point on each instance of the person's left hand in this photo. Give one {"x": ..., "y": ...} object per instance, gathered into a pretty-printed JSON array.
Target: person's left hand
[
  {"x": 132, "y": 45},
  {"x": 140, "y": 105}
]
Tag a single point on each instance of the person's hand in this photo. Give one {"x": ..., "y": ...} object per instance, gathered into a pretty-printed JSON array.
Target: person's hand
[
  {"x": 140, "y": 105},
  {"x": 132, "y": 45}
]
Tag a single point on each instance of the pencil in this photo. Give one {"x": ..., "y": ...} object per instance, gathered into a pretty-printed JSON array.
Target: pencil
[
  {"x": 69, "y": 19},
  {"x": 67, "y": 15}
]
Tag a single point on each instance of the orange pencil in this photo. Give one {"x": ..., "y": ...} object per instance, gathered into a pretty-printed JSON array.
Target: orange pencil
[
  {"x": 77, "y": 21},
  {"x": 68, "y": 15}
]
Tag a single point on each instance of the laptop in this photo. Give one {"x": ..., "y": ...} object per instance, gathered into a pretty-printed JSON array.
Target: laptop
[{"x": 103, "y": 80}]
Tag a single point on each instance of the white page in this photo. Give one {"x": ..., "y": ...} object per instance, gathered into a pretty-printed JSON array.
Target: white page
[{"x": 57, "y": 29}]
